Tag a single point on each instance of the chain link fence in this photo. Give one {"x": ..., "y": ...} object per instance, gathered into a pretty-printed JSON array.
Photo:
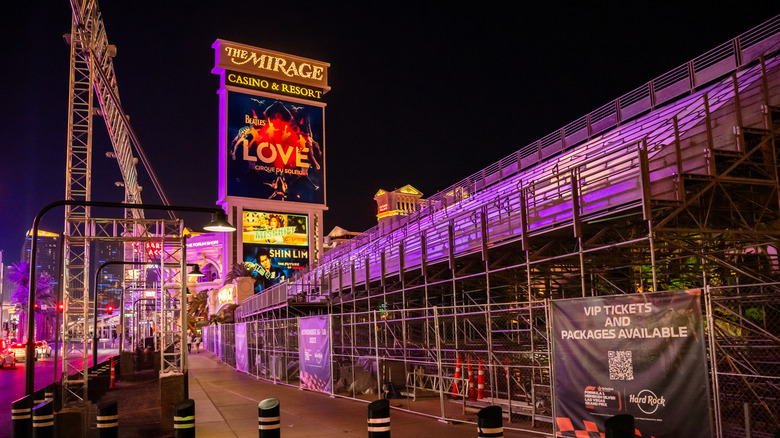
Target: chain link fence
[
  {"x": 449, "y": 362},
  {"x": 744, "y": 329},
  {"x": 442, "y": 362}
]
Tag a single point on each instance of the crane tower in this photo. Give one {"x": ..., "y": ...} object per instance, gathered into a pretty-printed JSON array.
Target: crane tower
[{"x": 93, "y": 91}]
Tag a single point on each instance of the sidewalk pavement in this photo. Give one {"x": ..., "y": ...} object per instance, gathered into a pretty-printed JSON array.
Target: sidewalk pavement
[{"x": 226, "y": 406}]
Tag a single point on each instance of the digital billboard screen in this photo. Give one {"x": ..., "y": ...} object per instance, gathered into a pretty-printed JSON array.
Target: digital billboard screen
[
  {"x": 275, "y": 245},
  {"x": 275, "y": 149}
]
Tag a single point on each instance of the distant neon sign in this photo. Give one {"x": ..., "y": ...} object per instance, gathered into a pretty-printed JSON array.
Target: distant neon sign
[{"x": 226, "y": 295}]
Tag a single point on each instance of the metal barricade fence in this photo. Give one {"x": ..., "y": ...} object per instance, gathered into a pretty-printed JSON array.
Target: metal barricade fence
[
  {"x": 449, "y": 362},
  {"x": 744, "y": 332},
  {"x": 413, "y": 354}
]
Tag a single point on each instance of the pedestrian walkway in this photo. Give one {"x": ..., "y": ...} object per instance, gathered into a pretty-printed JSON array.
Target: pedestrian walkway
[{"x": 226, "y": 406}]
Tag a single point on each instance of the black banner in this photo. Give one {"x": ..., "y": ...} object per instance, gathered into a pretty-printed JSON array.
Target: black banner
[{"x": 637, "y": 354}]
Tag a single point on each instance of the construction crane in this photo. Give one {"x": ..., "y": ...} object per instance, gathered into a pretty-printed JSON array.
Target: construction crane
[{"x": 93, "y": 91}]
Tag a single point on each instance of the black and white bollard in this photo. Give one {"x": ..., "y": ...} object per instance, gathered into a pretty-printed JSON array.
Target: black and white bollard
[
  {"x": 619, "y": 426},
  {"x": 39, "y": 396},
  {"x": 43, "y": 420},
  {"x": 184, "y": 419},
  {"x": 48, "y": 392},
  {"x": 21, "y": 417},
  {"x": 379, "y": 419},
  {"x": 268, "y": 418},
  {"x": 490, "y": 422},
  {"x": 108, "y": 420}
]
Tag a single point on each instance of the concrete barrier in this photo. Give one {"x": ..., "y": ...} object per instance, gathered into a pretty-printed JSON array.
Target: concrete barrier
[
  {"x": 490, "y": 422},
  {"x": 21, "y": 417},
  {"x": 43, "y": 420},
  {"x": 268, "y": 418},
  {"x": 184, "y": 419},
  {"x": 619, "y": 426},
  {"x": 108, "y": 420},
  {"x": 379, "y": 419}
]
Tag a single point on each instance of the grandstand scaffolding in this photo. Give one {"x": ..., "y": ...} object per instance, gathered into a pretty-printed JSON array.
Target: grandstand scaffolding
[{"x": 672, "y": 186}]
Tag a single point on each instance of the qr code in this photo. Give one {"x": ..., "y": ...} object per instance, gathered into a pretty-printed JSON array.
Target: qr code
[{"x": 620, "y": 365}]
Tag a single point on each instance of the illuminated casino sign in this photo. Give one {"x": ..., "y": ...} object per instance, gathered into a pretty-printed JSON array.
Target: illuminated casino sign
[
  {"x": 272, "y": 156},
  {"x": 266, "y": 63},
  {"x": 272, "y": 85},
  {"x": 226, "y": 295}
]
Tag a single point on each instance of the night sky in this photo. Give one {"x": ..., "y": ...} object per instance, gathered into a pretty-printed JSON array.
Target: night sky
[{"x": 422, "y": 94}]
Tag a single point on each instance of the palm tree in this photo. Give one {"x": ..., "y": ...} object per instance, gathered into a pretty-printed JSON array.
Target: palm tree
[
  {"x": 19, "y": 274},
  {"x": 197, "y": 309},
  {"x": 238, "y": 270}
]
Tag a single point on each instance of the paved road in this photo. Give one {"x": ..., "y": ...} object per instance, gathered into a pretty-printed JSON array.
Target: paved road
[
  {"x": 12, "y": 384},
  {"x": 226, "y": 406}
]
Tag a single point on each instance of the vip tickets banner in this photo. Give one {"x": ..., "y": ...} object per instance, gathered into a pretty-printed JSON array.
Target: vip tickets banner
[
  {"x": 275, "y": 149},
  {"x": 637, "y": 354},
  {"x": 275, "y": 246},
  {"x": 314, "y": 350},
  {"x": 242, "y": 357}
]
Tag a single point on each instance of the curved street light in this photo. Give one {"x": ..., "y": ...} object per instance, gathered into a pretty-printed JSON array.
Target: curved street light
[
  {"x": 218, "y": 223},
  {"x": 95, "y": 338}
]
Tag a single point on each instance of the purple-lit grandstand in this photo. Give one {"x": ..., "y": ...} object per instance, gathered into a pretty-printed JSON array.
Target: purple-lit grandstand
[{"x": 673, "y": 186}]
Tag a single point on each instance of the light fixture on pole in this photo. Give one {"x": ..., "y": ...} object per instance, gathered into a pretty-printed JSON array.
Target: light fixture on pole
[
  {"x": 219, "y": 223},
  {"x": 195, "y": 272},
  {"x": 95, "y": 338}
]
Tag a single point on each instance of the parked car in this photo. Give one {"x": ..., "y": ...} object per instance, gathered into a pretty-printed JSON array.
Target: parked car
[
  {"x": 6, "y": 355},
  {"x": 42, "y": 349},
  {"x": 20, "y": 350}
]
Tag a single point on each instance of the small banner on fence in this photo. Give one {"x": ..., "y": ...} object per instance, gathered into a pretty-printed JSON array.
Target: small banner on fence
[
  {"x": 638, "y": 354},
  {"x": 242, "y": 357},
  {"x": 314, "y": 350}
]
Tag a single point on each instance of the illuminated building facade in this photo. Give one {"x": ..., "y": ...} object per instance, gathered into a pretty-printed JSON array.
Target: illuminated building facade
[
  {"x": 392, "y": 205},
  {"x": 47, "y": 259}
]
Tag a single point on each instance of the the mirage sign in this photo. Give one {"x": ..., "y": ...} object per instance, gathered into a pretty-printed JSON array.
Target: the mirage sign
[{"x": 638, "y": 354}]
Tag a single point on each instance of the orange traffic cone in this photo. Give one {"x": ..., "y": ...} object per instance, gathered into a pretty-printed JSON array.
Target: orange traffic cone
[
  {"x": 480, "y": 382},
  {"x": 472, "y": 390},
  {"x": 113, "y": 376},
  {"x": 457, "y": 378}
]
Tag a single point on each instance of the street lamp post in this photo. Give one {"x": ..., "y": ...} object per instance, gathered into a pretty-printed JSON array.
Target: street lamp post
[
  {"x": 219, "y": 223},
  {"x": 95, "y": 337}
]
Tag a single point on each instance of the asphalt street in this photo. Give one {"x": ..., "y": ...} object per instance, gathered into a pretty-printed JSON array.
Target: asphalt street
[{"x": 12, "y": 382}]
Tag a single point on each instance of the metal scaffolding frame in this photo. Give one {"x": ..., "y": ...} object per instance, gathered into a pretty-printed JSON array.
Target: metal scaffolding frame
[
  {"x": 681, "y": 195},
  {"x": 92, "y": 81}
]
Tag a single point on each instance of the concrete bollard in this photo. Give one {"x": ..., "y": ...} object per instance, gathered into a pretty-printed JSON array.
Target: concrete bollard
[
  {"x": 39, "y": 396},
  {"x": 619, "y": 426},
  {"x": 184, "y": 419},
  {"x": 108, "y": 420},
  {"x": 490, "y": 422},
  {"x": 21, "y": 417},
  {"x": 379, "y": 419},
  {"x": 268, "y": 418},
  {"x": 43, "y": 420},
  {"x": 48, "y": 392}
]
